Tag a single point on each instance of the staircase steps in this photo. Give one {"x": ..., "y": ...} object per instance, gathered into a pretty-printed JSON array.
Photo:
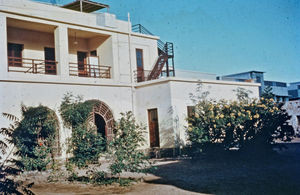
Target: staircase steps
[{"x": 157, "y": 69}]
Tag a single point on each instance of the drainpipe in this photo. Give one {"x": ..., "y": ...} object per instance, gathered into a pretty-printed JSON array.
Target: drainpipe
[
  {"x": 130, "y": 63},
  {"x": 80, "y": 5}
]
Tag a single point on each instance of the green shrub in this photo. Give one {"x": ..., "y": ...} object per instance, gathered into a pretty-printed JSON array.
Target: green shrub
[
  {"x": 34, "y": 137},
  {"x": 85, "y": 144},
  {"x": 125, "y": 147}
]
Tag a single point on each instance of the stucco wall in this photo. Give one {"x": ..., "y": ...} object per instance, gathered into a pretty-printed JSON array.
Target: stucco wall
[
  {"x": 172, "y": 96},
  {"x": 156, "y": 96},
  {"x": 13, "y": 94},
  {"x": 34, "y": 42}
]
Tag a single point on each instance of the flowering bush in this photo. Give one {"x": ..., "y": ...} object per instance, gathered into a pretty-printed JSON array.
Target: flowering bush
[{"x": 240, "y": 124}]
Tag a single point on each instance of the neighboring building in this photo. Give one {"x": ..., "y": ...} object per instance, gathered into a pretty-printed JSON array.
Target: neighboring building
[
  {"x": 294, "y": 90},
  {"x": 250, "y": 76},
  {"x": 279, "y": 89},
  {"x": 47, "y": 51},
  {"x": 293, "y": 109}
]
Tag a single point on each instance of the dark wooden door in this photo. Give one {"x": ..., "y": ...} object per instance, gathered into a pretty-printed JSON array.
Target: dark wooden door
[
  {"x": 14, "y": 52},
  {"x": 153, "y": 128},
  {"x": 82, "y": 63},
  {"x": 50, "y": 64},
  {"x": 140, "y": 65}
]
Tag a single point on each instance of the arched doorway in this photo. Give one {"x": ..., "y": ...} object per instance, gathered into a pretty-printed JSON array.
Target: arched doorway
[
  {"x": 100, "y": 124},
  {"x": 102, "y": 117}
]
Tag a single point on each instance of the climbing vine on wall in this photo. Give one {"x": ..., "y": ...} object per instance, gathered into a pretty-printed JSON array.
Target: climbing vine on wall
[
  {"x": 35, "y": 137},
  {"x": 85, "y": 144}
]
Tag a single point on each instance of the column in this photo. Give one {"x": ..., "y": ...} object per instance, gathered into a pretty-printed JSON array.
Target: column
[
  {"x": 62, "y": 50},
  {"x": 3, "y": 47}
]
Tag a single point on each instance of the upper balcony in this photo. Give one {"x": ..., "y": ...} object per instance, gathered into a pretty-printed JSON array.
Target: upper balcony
[{"x": 34, "y": 47}]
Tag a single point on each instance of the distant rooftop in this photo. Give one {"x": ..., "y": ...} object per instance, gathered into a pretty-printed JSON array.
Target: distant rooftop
[
  {"x": 85, "y": 6},
  {"x": 295, "y": 83},
  {"x": 252, "y": 71}
]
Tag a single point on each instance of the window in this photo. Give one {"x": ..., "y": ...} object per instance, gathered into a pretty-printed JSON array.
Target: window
[
  {"x": 14, "y": 52},
  {"x": 293, "y": 93},
  {"x": 268, "y": 83},
  {"x": 93, "y": 53},
  {"x": 280, "y": 84},
  {"x": 258, "y": 79},
  {"x": 139, "y": 58},
  {"x": 140, "y": 65}
]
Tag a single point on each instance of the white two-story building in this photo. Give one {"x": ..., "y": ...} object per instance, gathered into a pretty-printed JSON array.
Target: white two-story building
[{"x": 47, "y": 51}]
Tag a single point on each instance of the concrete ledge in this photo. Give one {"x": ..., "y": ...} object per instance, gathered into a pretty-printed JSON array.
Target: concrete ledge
[{"x": 175, "y": 79}]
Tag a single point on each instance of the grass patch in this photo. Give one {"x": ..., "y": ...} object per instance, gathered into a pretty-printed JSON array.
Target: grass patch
[{"x": 100, "y": 178}]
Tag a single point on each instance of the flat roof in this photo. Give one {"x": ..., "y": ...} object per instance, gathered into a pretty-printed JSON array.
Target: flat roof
[
  {"x": 85, "y": 6},
  {"x": 252, "y": 71}
]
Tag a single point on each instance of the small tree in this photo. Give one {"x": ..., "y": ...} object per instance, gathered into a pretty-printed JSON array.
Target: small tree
[
  {"x": 267, "y": 93},
  {"x": 125, "y": 147},
  {"x": 9, "y": 167}
]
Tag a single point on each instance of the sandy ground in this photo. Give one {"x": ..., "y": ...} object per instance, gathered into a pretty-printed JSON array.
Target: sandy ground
[{"x": 274, "y": 174}]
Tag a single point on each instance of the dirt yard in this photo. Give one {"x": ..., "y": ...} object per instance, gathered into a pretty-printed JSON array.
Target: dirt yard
[{"x": 274, "y": 174}]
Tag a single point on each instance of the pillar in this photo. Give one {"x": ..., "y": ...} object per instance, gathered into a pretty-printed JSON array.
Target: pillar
[{"x": 62, "y": 50}]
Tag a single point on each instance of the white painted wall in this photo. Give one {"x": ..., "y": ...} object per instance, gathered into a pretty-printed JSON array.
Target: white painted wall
[
  {"x": 13, "y": 94},
  {"x": 156, "y": 96},
  {"x": 34, "y": 42},
  {"x": 150, "y": 52},
  {"x": 171, "y": 97},
  {"x": 113, "y": 51}
]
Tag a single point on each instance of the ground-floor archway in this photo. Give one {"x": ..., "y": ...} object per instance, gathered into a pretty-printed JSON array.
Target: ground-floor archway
[{"x": 102, "y": 117}]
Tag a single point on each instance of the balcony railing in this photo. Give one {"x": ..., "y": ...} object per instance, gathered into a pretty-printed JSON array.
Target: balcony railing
[
  {"x": 141, "y": 75},
  {"x": 35, "y": 66},
  {"x": 88, "y": 70}
]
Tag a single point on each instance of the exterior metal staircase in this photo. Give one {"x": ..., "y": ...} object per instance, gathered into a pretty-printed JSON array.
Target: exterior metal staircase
[{"x": 164, "y": 65}]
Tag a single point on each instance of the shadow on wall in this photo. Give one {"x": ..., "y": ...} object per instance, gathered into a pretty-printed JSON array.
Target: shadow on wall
[
  {"x": 169, "y": 130},
  {"x": 235, "y": 173}
]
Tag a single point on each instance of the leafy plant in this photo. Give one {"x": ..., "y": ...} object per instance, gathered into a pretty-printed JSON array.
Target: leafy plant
[
  {"x": 85, "y": 144},
  {"x": 9, "y": 167},
  {"x": 125, "y": 150},
  {"x": 34, "y": 137},
  {"x": 247, "y": 124}
]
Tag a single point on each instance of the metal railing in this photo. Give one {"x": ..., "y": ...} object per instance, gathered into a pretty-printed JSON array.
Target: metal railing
[
  {"x": 166, "y": 48},
  {"x": 35, "y": 66},
  {"x": 141, "y": 75},
  {"x": 141, "y": 29},
  {"x": 88, "y": 70}
]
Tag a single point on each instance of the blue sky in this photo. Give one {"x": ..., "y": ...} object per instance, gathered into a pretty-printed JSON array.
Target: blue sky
[{"x": 223, "y": 36}]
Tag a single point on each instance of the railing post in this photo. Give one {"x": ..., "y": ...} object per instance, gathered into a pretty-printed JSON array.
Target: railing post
[{"x": 32, "y": 64}]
